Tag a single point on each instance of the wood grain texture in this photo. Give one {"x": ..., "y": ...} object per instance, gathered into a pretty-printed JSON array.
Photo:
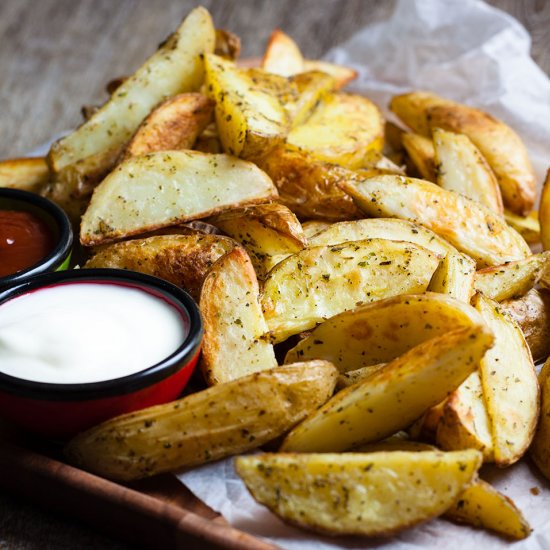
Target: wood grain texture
[{"x": 57, "y": 55}]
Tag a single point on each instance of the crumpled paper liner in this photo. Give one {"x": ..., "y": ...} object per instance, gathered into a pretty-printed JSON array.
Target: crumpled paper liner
[{"x": 476, "y": 54}]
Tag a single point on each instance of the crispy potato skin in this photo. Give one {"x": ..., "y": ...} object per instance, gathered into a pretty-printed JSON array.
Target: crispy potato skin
[
  {"x": 183, "y": 260},
  {"x": 309, "y": 187},
  {"x": 532, "y": 313},
  {"x": 367, "y": 494},
  {"x": 174, "y": 124},
  {"x": 220, "y": 421}
]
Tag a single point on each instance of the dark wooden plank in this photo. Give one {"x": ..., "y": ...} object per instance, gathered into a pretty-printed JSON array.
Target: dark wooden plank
[{"x": 155, "y": 514}]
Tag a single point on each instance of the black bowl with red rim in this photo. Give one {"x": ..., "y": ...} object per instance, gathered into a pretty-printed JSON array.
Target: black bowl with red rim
[
  {"x": 61, "y": 410},
  {"x": 35, "y": 219}
]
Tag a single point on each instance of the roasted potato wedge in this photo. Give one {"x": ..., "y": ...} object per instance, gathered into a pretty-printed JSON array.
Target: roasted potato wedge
[
  {"x": 249, "y": 120},
  {"x": 170, "y": 187},
  {"x": 498, "y": 143},
  {"x": 176, "y": 67},
  {"x": 411, "y": 108},
  {"x": 469, "y": 226},
  {"x": 282, "y": 55},
  {"x": 509, "y": 383},
  {"x": 532, "y": 313},
  {"x": 540, "y": 448},
  {"x": 383, "y": 330},
  {"x": 425, "y": 427},
  {"x": 174, "y": 124},
  {"x": 183, "y": 260},
  {"x": 513, "y": 279},
  {"x": 420, "y": 150},
  {"x": 321, "y": 281},
  {"x": 463, "y": 169},
  {"x": 544, "y": 213},
  {"x": 464, "y": 423},
  {"x": 28, "y": 174},
  {"x": 456, "y": 272},
  {"x": 233, "y": 321},
  {"x": 481, "y": 505},
  {"x": 527, "y": 226},
  {"x": 394, "y": 396},
  {"x": 220, "y": 421},
  {"x": 307, "y": 186},
  {"x": 344, "y": 129},
  {"x": 269, "y": 232},
  {"x": 343, "y": 75},
  {"x": 366, "y": 494}
]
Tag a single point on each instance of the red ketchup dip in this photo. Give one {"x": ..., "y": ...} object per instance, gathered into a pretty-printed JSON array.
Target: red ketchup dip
[{"x": 25, "y": 239}]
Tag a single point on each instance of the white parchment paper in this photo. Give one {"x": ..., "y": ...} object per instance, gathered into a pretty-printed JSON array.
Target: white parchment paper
[{"x": 471, "y": 52}]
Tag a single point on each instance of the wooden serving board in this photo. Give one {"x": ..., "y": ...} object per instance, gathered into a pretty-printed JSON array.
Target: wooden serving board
[{"x": 155, "y": 513}]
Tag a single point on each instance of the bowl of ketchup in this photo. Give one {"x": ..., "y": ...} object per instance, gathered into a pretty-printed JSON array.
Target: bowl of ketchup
[{"x": 35, "y": 236}]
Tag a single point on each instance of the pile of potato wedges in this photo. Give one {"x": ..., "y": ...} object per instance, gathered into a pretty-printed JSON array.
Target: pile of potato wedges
[{"x": 374, "y": 293}]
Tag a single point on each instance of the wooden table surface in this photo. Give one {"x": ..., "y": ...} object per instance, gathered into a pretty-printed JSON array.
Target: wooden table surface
[{"x": 57, "y": 55}]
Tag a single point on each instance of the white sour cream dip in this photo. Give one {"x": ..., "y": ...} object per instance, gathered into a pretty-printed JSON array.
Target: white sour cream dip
[{"x": 86, "y": 332}]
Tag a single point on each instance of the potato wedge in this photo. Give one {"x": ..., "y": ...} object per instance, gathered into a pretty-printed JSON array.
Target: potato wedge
[
  {"x": 394, "y": 396},
  {"x": 249, "y": 120},
  {"x": 344, "y": 129},
  {"x": 411, "y": 109},
  {"x": 269, "y": 232},
  {"x": 540, "y": 447},
  {"x": 366, "y": 494},
  {"x": 183, "y": 260},
  {"x": 498, "y": 143},
  {"x": 320, "y": 282},
  {"x": 532, "y": 313},
  {"x": 382, "y": 228},
  {"x": 312, "y": 227},
  {"x": 396, "y": 443},
  {"x": 421, "y": 152},
  {"x": 509, "y": 384},
  {"x": 282, "y": 55},
  {"x": 342, "y": 74},
  {"x": 176, "y": 67},
  {"x": 425, "y": 427},
  {"x": 513, "y": 279},
  {"x": 382, "y": 331},
  {"x": 456, "y": 272},
  {"x": 174, "y": 124},
  {"x": 233, "y": 321},
  {"x": 469, "y": 226},
  {"x": 463, "y": 169},
  {"x": 527, "y": 226},
  {"x": 28, "y": 174},
  {"x": 220, "y": 421},
  {"x": 481, "y": 505},
  {"x": 307, "y": 186},
  {"x": 465, "y": 422},
  {"x": 544, "y": 213},
  {"x": 170, "y": 187}
]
